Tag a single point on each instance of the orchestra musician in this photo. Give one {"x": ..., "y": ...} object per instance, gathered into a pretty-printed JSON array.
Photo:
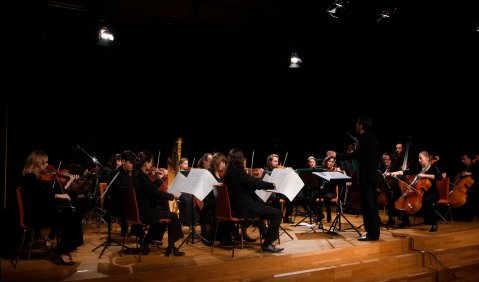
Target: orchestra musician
[
  {"x": 471, "y": 169},
  {"x": 395, "y": 192},
  {"x": 42, "y": 208},
  {"x": 184, "y": 164},
  {"x": 153, "y": 205},
  {"x": 245, "y": 202},
  {"x": 328, "y": 191},
  {"x": 398, "y": 156},
  {"x": 123, "y": 178},
  {"x": 272, "y": 163},
  {"x": 368, "y": 155},
  {"x": 431, "y": 195}
]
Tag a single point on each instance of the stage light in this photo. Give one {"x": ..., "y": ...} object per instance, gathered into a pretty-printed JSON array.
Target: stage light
[
  {"x": 105, "y": 37},
  {"x": 336, "y": 10},
  {"x": 295, "y": 61},
  {"x": 386, "y": 14}
]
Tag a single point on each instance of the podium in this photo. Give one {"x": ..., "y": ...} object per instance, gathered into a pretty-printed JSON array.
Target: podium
[{"x": 339, "y": 179}]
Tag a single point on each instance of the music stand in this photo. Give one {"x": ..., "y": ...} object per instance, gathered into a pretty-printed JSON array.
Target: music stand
[
  {"x": 192, "y": 232},
  {"x": 313, "y": 181},
  {"x": 338, "y": 179},
  {"x": 108, "y": 240}
]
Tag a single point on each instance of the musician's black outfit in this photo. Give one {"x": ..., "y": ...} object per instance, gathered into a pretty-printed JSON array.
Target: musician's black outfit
[
  {"x": 113, "y": 200},
  {"x": 41, "y": 209},
  {"x": 153, "y": 205},
  {"x": 430, "y": 197},
  {"x": 368, "y": 155},
  {"x": 246, "y": 204}
]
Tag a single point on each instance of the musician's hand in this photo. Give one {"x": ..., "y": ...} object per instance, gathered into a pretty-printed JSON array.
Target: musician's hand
[
  {"x": 63, "y": 196},
  {"x": 396, "y": 173}
]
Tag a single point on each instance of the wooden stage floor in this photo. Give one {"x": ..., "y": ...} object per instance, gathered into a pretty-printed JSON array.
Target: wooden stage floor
[{"x": 199, "y": 262}]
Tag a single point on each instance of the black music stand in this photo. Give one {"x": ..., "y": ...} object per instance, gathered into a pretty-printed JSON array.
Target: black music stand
[
  {"x": 108, "y": 240},
  {"x": 338, "y": 179},
  {"x": 192, "y": 232},
  {"x": 313, "y": 181}
]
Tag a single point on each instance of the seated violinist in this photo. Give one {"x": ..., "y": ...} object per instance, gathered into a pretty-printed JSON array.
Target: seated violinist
[
  {"x": 153, "y": 205},
  {"x": 42, "y": 206},
  {"x": 328, "y": 190},
  {"x": 273, "y": 162}
]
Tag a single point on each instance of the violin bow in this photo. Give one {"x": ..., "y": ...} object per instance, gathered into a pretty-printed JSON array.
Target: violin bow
[
  {"x": 158, "y": 159},
  {"x": 58, "y": 180},
  {"x": 285, "y": 157},
  {"x": 252, "y": 158}
]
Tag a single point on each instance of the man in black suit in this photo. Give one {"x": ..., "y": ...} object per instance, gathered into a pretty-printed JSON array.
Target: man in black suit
[
  {"x": 368, "y": 155},
  {"x": 246, "y": 204}
]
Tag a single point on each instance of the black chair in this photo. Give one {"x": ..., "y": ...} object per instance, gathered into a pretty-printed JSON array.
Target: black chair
[
  {"x": 223, "y": 213},
  {"x": 25, "y": 227},
  {"x": 132, "y": 216}
]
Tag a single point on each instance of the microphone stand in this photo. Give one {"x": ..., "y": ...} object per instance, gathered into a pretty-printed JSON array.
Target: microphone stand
[
  {"x": 94, "y": 194},
  {"x": 108, "y": 240}
]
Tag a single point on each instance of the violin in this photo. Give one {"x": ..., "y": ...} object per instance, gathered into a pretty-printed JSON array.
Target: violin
[
  {"x": 50, "y": 174},
  {"x": 158, "y": 173}
]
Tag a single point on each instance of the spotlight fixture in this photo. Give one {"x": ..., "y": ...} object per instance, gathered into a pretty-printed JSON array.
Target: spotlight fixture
[
  {"x": 336, "y": 10},
  {"x": 105, "y": 34},
  {"x": 105, "y": 37},
  {"x": 386, "y": 14},
  {"x": 295, "y": 61}
]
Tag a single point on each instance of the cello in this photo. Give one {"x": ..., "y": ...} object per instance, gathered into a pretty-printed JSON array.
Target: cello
[
  {"x": 410, "y": 201},
  {"x": 462, "y": 182}
]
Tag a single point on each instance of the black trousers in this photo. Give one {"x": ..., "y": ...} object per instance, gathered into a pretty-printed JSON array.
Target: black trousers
[{"x": 370, "y": 209}]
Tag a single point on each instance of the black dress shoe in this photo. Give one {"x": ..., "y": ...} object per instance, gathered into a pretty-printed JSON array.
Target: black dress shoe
[
  {"x": 176, "y": 252},
  {"x": 367, "y": 238},
  {"x": 433, "y": 228},
  {"x": 271, "y": 249}
]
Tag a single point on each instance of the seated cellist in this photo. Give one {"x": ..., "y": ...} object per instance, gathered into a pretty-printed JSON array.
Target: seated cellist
[{"x": 431, "y": 195}]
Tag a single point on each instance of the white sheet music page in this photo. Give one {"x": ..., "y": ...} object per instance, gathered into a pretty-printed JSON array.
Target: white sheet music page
[
  {"x": 199, "y": 183},
  {"x": 328, "y": 175},
  {"x": 177, "y": 183},
  {"x": 263, "y": 194},
  {"x": 287, "y": 182}
]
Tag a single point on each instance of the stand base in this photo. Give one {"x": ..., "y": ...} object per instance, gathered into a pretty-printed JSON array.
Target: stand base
[
  {"x": 192, "y": 235},
  {"x": 337, "y": 221},
  {"x": 107, "y": 244}
]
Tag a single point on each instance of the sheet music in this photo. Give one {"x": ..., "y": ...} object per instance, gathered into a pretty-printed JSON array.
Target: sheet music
[
  {"x": 198, "y": 183},
  {"x": 329, "y": 175},
  {"x": 175, "y": 186},
  {"x": 287, "y": 182},
  {"x": 264, "y": 194}
]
